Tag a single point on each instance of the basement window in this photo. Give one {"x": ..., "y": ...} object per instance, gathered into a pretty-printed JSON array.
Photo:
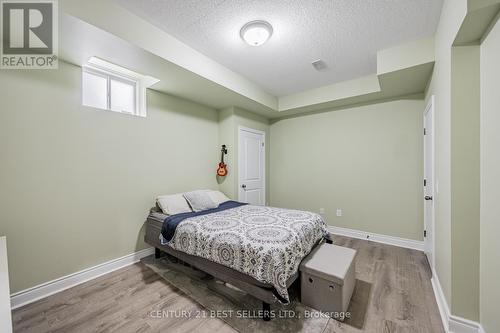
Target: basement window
[{"x": 111, "y": 87}]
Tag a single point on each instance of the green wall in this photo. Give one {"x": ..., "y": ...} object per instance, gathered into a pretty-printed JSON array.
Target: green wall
[
  {"x": 365, "y": 160},
  {"x": 77, "y": 183},
  {"x": 452, "y": 16},
  {"x": 228, "y": 183},
  {"x": 465, "y": 83},
  {"x": 490, "y": 180},
  {"x": 465, "y": 106}
]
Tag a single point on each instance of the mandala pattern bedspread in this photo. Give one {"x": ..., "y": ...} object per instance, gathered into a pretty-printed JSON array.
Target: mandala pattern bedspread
[{"x": 264, "y": 242}]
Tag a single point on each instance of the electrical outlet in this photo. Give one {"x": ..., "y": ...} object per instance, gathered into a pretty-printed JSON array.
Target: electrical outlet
[
  {"x": 339, "y": 212},
  {"x": 321, "y": 211}
]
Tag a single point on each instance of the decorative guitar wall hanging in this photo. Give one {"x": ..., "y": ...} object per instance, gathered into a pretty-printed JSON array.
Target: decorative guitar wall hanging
[{"x": 222, "y": 169}]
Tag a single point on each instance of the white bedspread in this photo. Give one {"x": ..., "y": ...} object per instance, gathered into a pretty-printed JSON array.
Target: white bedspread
[{"x": 264, "y": 242}]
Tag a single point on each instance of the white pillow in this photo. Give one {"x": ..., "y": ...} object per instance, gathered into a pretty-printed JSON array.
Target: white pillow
[
  {"x": 218, "y": 197},
  {"x": 173, "y": 204},
  {"x": 200, "y": 200}
]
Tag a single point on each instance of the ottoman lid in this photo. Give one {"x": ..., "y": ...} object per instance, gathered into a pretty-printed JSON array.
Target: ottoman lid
[{"x": 329, "y": 262}]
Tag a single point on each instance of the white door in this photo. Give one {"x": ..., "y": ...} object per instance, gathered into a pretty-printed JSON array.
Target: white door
[
  {"x": 5, "y": 317},
  {"x": 251, "y": 166},
  {"x": 429, "y": 194}
]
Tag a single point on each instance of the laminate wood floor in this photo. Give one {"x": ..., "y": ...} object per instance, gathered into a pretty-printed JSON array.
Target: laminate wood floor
[{"x": 126, "y": 300}]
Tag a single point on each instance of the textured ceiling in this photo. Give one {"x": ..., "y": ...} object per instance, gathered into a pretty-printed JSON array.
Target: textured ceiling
[{"x": 346, "y": 34}]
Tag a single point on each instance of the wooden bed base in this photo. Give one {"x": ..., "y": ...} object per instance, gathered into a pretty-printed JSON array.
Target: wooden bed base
[{"x": 259, "y": 290}]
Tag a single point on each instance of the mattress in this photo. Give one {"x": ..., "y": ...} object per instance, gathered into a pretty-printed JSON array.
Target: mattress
[{"x": 265, "y": 243}]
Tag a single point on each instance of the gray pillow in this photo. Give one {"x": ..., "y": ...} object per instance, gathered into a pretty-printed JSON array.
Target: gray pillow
[
  {"x": 173, "y": 204},
  {"x": 200, "y": 200}
]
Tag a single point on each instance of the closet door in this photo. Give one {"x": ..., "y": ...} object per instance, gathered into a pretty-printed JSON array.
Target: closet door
[{"x": 251, "y": 166}]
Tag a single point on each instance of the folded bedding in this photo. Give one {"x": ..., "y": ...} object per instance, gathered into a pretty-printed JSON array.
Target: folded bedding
[
  {"x": 265, "y": 243},
  {"x": 171, "y": 222}
]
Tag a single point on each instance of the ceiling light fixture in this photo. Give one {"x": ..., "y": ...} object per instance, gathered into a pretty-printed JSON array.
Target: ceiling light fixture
[{"x": 256, "y": 33}]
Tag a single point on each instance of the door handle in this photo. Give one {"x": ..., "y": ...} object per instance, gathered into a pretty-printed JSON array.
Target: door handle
[
  {"x": 243, "y": 186},
  {"x": 428, "y": 197}
]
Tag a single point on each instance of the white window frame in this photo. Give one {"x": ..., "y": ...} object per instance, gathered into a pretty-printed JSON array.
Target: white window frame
[{"x": 139, "y": 89}]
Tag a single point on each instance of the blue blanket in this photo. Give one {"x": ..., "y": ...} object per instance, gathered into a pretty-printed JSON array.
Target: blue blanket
[{"x": 171, "y": 222}]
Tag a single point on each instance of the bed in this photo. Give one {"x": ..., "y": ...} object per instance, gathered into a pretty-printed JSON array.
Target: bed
[{"x": 257, "y": 249}]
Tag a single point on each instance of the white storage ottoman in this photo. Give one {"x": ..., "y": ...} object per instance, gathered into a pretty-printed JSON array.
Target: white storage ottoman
[{"x": 327, "y": 278}]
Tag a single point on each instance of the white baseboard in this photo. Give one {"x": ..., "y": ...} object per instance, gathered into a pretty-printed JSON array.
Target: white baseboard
[
  {"x": 43, "y": 290},
  {"x": 451, "y": 323},
  {"x": 390, "y": 240},
  {"x": 462, "y": 325},
  {"x": 444, "y": 310}
]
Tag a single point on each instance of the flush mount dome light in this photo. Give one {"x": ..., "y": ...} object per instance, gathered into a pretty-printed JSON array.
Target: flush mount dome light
[{"x": 256, "y": 33}]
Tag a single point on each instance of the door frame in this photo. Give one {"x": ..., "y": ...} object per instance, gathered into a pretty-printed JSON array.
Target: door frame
[
  {"x": 240, "y": 156},
  {"x": 430, "y": 109}
]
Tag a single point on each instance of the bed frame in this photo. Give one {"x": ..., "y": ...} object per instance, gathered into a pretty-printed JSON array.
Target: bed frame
[{"x": 250, "y": 285}]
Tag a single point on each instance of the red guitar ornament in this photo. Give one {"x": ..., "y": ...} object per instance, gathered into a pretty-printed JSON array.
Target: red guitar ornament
[{"x": 222, "y": 169}]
